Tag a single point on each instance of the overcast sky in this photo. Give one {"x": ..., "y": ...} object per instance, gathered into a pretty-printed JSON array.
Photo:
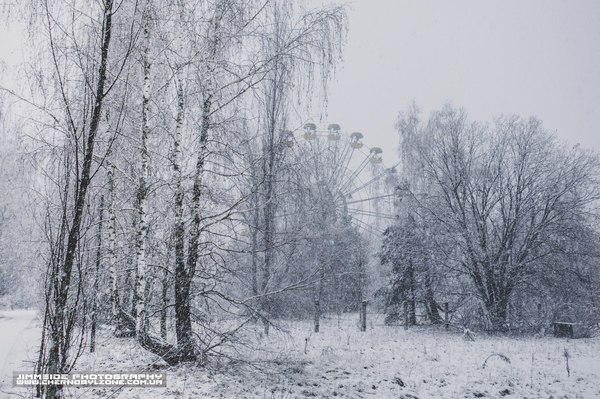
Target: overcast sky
[
  {"x": 531, "y": 57},
  {"x": 538, "y": 58}
]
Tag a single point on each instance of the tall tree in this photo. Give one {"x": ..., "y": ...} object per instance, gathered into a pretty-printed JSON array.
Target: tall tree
[
  {"x": 81, "y": 106},
  {"x": 508, "y": 193},
  {"x": 303, "y": 48},
  {"x": 142, "y": 189}
]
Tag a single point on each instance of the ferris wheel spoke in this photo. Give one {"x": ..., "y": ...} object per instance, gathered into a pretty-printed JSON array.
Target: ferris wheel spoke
[
  {"x": 368, "y": 183},
  {"x": 354, "y": 174},
  {"x": 370, "y": 199},
  {"x": 373, "y": 180},
  {"x": 365, "y": 226},
  {"x": 372, "y": 213}
]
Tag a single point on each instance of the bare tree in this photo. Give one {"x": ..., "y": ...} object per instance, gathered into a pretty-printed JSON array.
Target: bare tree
[
  {"x": 295, "y": 48},
  {"x": 81, "y": 106},
  {"x": 509, "y": 192}
]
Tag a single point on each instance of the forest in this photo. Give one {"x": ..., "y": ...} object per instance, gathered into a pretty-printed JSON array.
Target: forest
[{"x": 171, "y": 186}]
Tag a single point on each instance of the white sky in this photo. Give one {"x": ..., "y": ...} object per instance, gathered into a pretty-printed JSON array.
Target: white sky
[{"x": 534, "y": 57}]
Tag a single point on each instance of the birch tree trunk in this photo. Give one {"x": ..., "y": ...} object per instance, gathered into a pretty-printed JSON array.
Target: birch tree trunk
[
  {"x": 112, "y": 240},
  {"x": 142, "y": 191}
]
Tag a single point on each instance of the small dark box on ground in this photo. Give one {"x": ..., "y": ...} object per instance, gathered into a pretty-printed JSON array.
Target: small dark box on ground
[{"x": 563, "y": 329}]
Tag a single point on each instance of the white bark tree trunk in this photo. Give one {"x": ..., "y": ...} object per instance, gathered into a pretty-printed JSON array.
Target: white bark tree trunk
[
  {"x": 142, "y": 228},
  {"x": 111, "y": 240}
]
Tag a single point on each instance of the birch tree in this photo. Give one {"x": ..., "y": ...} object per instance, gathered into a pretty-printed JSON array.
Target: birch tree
[{"x": 142, "y": 189}]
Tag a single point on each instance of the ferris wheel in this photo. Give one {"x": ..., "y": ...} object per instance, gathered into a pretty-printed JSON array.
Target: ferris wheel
[{"x": 348, "y": 178}]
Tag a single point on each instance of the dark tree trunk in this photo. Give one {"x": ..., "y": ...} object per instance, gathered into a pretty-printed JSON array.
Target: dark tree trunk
[
  {"x": 269, "y": 198},
  {"x": 430, "y": 302},
  {"x": 59, "y": 335},
  {"x": 412, "y": 301},
  {"x": 497, "y": 311},
  {"x": 317, "y": 315},
  {"x": 269, "y": 226},
  {"x": 495, "y": 298},
  {"x": 39, "y": 367},
  {"x": 254, "y": 248},
  {"x": 184, "y": 276},
  {"x": 96, "y": 277},
  {"x": 164, "y": 304}
]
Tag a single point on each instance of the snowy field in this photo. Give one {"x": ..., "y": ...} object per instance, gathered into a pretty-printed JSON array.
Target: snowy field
[
  {"x": 384, "y": 362},
  {"x": 339, "y": 362}
]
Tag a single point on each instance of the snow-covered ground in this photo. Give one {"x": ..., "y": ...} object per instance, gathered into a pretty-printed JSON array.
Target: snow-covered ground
[
  {"x": 384, "y": 362},
  {"x": 19, "y": 340},
  {"x": 338, "y": 362}
]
